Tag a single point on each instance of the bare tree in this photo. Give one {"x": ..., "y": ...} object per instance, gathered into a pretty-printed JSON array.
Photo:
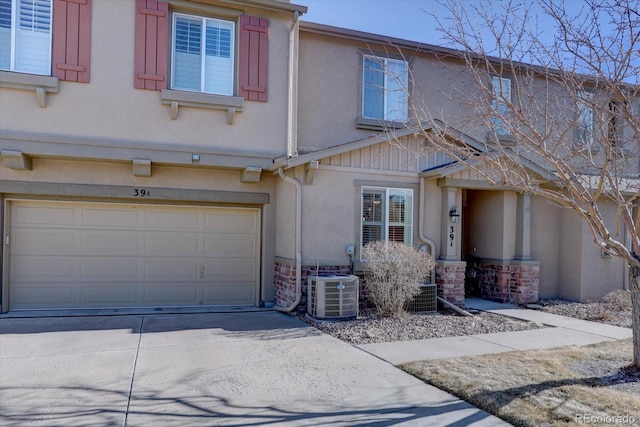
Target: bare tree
[{"x": 565, "y": 124}]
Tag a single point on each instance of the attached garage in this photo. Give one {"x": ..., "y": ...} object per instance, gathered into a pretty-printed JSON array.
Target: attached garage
[{"x": 64, "y": 255}]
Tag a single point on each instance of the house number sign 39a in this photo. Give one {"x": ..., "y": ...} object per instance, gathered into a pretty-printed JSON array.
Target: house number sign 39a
[
  {"x": 452, "y": 236},
  {"x": 141, "y": 192}
]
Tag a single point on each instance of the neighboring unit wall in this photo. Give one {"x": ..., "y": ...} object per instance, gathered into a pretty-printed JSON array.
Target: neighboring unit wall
[{"x": 545, "y": 245}]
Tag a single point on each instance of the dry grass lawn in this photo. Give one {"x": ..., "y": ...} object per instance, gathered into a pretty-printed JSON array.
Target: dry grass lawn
[{"x": 543, "y": 387}]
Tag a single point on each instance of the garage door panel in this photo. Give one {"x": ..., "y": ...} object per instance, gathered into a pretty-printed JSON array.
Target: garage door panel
[
  {"x": 171, "y": 269},
  {"x": 105, "y": 242},
  {"x": 174, "y": 243},
  {"x": 238, "y": 221},
  {"x": 229, "y": 246},
  {"x": 173, "y": 220},
  {"x": 113, "y": 217},
  {"x": 108, "y": 268},
  {"x": 172, "y": 295},
  {"x": 112, "y": 295},
  {"x": 41, "y": 215},
  {"x": 33, "y": 268},
  {"x": 42, "y": 297},
  {"x": 230, "y": 270},
  {"x": 230, "y": 294},
  {"x": 44, "y": 241},
  {"x": 84, "y": 254}
]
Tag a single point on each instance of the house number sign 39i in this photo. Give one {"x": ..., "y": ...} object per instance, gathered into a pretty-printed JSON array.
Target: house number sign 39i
[{"x": 451, "y": 236}]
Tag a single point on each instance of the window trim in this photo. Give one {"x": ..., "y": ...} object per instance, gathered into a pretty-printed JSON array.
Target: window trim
[
  {"x": 13, "y": 28},
  {"x": 388, "y": 190},
  {"x": 364, "y": 122}
]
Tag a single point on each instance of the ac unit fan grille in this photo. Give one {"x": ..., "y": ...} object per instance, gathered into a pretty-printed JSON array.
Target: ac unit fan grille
[{"x": 425, "y": 302}]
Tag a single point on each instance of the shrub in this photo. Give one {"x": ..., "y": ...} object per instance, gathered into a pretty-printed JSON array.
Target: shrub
[
  {"x": 618, "y": 300},
  {"x": 394, "y": 272}
]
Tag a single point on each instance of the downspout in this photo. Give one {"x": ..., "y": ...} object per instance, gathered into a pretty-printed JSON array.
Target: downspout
[
  {"x": 430, "y": 243},
  {"x": 292, "y": 101},
  {"x": 298, "y": 241}
]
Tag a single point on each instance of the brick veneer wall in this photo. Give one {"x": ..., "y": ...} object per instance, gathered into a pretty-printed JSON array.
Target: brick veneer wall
[
  {"x": 285, "y": 281},
  {"x": 450, "y": 281},
  {"x": 509, "y": 281}
]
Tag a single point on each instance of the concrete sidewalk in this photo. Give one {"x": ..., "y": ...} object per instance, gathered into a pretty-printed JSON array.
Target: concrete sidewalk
[
  {"x": 263, "y": 368},
  {"x": 562, "y": 331}
]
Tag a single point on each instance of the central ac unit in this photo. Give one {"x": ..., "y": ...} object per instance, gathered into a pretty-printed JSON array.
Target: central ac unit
[
  {"x": 425, "y": 301},
  {"x": 332, "y": 296}
]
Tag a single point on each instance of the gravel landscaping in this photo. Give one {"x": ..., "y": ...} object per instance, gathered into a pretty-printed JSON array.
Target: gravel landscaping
[
  {"x": 615, "y": 309},
  {"x": 370, "y": 328}
]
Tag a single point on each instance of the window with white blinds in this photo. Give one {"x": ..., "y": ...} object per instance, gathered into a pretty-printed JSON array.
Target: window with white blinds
[
  {"x": 387, "y": 214},
  {"x": 202, "y": 54},
  {"x": 25, "y": 36}
]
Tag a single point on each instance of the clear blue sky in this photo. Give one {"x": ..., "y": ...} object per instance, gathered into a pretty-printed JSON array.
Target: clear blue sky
[{"x": 405, "y": 19}]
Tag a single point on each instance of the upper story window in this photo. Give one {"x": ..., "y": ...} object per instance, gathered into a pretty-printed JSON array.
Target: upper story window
[
  {"x": 385, "y": 89},
  {"x": 614, "y": 124},
  {"x": 501, "y": 87},
  {"x": 25, "y": 36},
  {"x": 584, "y": 118},
  {"x": 203, "y": 54},
  {"x": 386, "y": 214}
]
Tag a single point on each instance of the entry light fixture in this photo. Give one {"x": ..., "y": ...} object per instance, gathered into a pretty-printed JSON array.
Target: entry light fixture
[{"x": 454, "y": 215}]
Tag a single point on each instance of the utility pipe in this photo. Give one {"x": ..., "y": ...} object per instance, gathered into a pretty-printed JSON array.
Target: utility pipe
[
  {"x": 430, "y": 243},
  {"x": 298, "y": 241},
  {"x": 292, "y": 101}
]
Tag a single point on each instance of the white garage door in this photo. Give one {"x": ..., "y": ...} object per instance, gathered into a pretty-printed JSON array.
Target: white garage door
[{"x": 86, "y": 255}]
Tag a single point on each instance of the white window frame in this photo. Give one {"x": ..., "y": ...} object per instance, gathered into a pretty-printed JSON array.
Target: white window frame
[
  {"x": 385, "y": 222},
  {"x": 502, "y": 96},
  {"x": 230, "y": 87},
  {"x": 391, "y": 82},
  {"x": 584, "y": 118},
  {"x": 13, "y": 33}
]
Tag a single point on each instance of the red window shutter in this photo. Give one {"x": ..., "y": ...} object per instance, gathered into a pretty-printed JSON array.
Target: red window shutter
[
  {"x": 253, "y": 58},
  {"x": 71, "y": 56},
  {"x": 151, "y": 45}
]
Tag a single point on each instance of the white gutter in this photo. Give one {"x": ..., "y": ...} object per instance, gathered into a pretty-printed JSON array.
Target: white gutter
[
  {"x": 298, "y": 242},
  {"x": 430, "y": 243},
  {"x": 292, "y": 101}
]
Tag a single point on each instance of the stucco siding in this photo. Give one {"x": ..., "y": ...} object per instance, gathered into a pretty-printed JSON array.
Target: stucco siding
[
  {"x": 545, "y": 245},
  {"x": 109, "y": 106}
]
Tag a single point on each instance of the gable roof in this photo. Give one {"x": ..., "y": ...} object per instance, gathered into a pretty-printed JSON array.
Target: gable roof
[{"x": 385, "y": 136}]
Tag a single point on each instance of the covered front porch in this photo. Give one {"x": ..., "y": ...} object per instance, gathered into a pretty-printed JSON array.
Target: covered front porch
[{"x": 485, "y": 241}]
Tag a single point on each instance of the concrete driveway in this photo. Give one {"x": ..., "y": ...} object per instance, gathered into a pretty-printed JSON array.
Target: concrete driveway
[{"x": 260, "y": 368}]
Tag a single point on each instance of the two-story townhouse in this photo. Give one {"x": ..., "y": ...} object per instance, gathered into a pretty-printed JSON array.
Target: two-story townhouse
[
  {"x": 208, "y": 153},
  {"x": 134, "y": 137},
  {"x": 366, "y": 176}
]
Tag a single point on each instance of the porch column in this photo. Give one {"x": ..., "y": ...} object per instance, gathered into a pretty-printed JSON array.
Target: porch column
[
  {"x": 450, "y": 234},
  {"x": 523, "y": 227}
]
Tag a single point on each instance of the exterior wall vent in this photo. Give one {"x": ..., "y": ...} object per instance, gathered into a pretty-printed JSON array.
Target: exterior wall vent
[
  {"x": 332, "y": 296},
  {"x": 425, "y": 301}
]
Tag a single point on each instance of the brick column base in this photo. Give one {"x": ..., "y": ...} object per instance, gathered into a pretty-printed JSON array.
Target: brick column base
[
  {"x": 285, "y": 281},
  {"x": 450, "y": 281}
]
